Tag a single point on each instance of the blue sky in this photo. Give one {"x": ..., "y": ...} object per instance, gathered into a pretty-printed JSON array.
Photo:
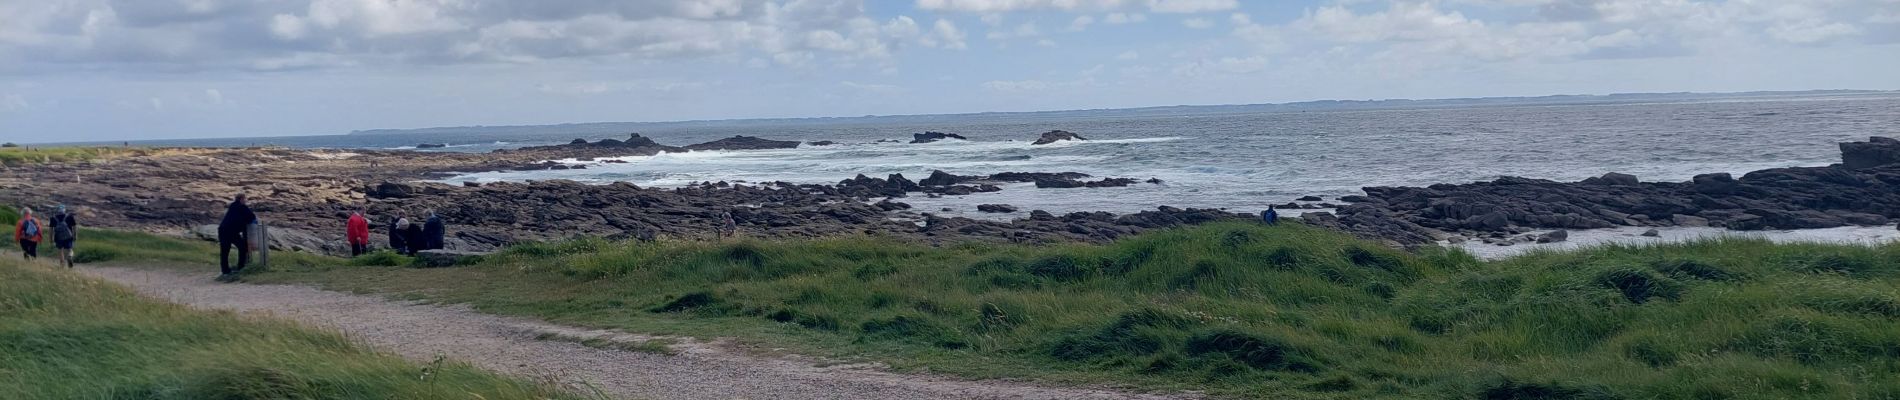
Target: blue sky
[{"x": 148, "y": 69}]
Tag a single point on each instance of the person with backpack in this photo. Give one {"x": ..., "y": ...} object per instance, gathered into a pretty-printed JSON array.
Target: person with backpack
[
  {"x": 27, "y": 232},
  {"x": 412, "y": 234},
  {"x": 65, "y": 232},
  {"x": 233, "y": 231},
  {"x": 433, "y": 232},
  {"x": 356, "y": 231},
  {"x": 1270, "y": 216}
]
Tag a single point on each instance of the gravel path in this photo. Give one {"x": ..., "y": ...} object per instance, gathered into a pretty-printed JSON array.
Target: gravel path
[{"x": 523, "y": 348}]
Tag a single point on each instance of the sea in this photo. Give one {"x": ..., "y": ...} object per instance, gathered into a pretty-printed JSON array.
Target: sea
[{"x": 1237, "y": 161}]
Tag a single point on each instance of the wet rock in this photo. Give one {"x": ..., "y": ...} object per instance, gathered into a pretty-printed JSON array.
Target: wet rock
[
  {"x": 822, "y": 143},
  {"x": 1716, "y": 183},
  {"x": 577, "y": 141},
  {"x": 1652, "y": 233},
  {"x": 1556, "y": 236},
  {"x": 1875, "y": 152},
  {"x": 928, "y": 137},
  {"x": 744, "y": 143},
  {"x": 996, "y": 208},
  {"x": 940, "y": 178},
  {"x": 1056, "y": 136},
  {"x": 1614, "y": 179},
  {"x": 1310, "y": 198}
]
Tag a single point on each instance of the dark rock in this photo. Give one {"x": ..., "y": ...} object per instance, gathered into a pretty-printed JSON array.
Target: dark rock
[
  {"x": 1716, "y": 183},
  {"x": 1554, "y": 236},
  {"x": 578, "y": 141},
  {"x": 1875, "y": 152},
  {"x": 1155, "y": 181},
  {"x": 471, "y": 184},
  {"x": 822, "y": 143},
  {"x": 1614, "y": 179},
  {"x": 1311, "y": 198},
  {"x": 1355, "y": 199},
  {"x": 744, "y": 143},
  {"x": 431, "y": 145},
  {"x": 940, "y": 178},
  {"x": 996, "y": 208},
  {"x": 1056, "y": 136},
  {"x": 928, "y": 137},
  {"x": 1652, "y": 233}
]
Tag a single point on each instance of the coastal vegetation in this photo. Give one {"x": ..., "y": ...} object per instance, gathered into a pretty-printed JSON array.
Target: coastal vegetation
[
  {"x": 1237, "y": 309},
  {"x": 64, "y": 336},
  {"x": 22, "y": 156}
]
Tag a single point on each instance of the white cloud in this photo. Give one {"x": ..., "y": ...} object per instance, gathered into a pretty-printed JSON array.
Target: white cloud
[
  {"x": 1124, "y": 18},
  {"x": 1197, "y": 23},
  {"x": 1128, "y": 55},
  {"x": 1081, "y": 23},
  {"x": 945, "y": 34},
  {"x": 1811, "y": 31},
  {"x": 999, "y": 6},
  {"x": 1025, "y": 30}
]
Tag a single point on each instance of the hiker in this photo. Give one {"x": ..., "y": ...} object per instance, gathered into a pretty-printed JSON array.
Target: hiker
[
  {"x": 398, "y": 242},
  {"x": 432, "y": 232},
  {"x": 27, "y": 232},
  {"x": 356, "y": 231},
  {"x": 65, "y": 232},
  {"x": 1270, "y": 216},
  {"x": 233, "y": 231},
  {"x": 412, "y": 235}
]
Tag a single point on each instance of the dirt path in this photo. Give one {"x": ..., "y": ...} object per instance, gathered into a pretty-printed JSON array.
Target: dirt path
[{"x": 515, "y": 346}]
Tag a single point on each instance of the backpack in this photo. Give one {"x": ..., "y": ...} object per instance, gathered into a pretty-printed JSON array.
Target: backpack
[
  {"x": 30, "y": 229},
  {"x": 62, "y": 230}
]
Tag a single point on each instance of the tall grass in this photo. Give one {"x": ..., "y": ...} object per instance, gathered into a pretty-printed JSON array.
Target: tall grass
[
  {"x": 1239, "y": 309},
  {"x": 63, "y": 336},
  {"x": 22, "y": 156}
]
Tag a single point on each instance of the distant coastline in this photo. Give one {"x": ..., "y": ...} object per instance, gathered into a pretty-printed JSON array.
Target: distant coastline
[{"x": 1157, "y": 111}]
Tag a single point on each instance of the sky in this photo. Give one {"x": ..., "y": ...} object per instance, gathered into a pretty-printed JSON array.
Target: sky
[{"x": 86, "y": 70}]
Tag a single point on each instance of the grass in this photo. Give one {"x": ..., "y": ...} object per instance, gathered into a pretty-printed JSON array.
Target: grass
[
  {"x": 1243, "y": 310},
  {"x": 63, "y": 336},
  {"x": 1237, "y": 310},
  {"x": 23, "y": 156}
]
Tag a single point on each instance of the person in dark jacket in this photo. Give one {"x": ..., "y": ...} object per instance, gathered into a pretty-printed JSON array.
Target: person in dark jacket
[
  {"x": 232, "y": 232},
  {"x": 433, "y": 232},
  {"x": 65, "y": 232},
  {"x": 1270, "y": 216},
  {"x": 412, "y": 234},
  {"x": 398, "y": 242}
]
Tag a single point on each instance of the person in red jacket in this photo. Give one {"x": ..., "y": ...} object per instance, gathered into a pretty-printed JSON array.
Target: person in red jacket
[
  {"x": 29, "y": 232},
  {"x": 358, "y": 233}
]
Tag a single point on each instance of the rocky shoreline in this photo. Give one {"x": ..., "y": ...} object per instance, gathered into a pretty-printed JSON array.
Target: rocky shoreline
[
  {"x": 1863, "y": 190},
  {"x": 305, "y": 195}
]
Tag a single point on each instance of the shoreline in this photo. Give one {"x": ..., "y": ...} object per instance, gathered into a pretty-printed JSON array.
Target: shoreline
[{"x": 306, "y": 193}]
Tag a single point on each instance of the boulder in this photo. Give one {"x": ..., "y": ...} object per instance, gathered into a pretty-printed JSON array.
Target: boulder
[
  {"x": 446, "y": 258},
  {"x": 1875, "y": 152},
  {"x": 1310, "y": 198},
  {"x": 1652, "y": 233},
  {"x": 1614, "y": 179},
  {"x": 1555, "y": 236},
  {"x": 1056, "y": 136},
  {"x": 928, "y": 137},
  {"x": 1716, "y": 183},
  {"x": 577, "y": 141},
  {"x": 940, "y": 178}
]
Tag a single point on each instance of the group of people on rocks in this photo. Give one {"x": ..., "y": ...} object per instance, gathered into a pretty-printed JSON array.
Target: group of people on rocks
[
  {"x": 406, "y": 236},
  {"x": 30, "y": 231}
]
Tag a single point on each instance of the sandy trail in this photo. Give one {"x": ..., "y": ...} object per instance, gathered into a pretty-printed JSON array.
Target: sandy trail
[{"x": 510, "y": 345}]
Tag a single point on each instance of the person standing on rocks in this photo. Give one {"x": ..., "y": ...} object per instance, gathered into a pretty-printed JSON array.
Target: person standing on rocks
[
  {"x": 27, "y": 232},
  {"x": 1270, "y": 216},
  {"x": 396, "y": 239},
  {"x": 727, "y": 226},
  {"x": 233, "y": 231},
  {"x": 433, "y": 232},
  {"x": 65, "y": 232},
  {"x": 357, "y": 232},
  {"x": 412, "y": 235}
]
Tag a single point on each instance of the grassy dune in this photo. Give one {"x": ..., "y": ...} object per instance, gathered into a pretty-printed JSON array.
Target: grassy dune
[
  {"x": 63, "y": 336},
  {"x": 1242, "y": 310}
]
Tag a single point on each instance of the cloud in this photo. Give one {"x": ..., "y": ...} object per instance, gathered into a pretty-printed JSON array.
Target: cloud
[
  {"x": 1000, "y": 6},
  {"x": 1081, "y": 23},
  {"x": 189, "y": 35},
  {"x": 873, "y": 88},
  {"x": 1124, "y": 18},
  {"x": 1197, "y": 23},
  {"x": 1128, "y": 55}
]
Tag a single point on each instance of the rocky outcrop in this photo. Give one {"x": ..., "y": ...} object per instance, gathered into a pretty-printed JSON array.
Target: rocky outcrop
[
  {"x": 635, "y": 145},
  {"x": 1874, "y": 153},
  {"x": 822, "y": 143},
  {"x": 996, "y": 208},
  {"x": 1867, "y": 194},
  {"x": 1071, "y": 183},
  {"x": 1056, "y": 136},
  {"x": 744, "y": 143},
  {"x": 928, "y": 137},
  {"x": 431, "y": 145}
]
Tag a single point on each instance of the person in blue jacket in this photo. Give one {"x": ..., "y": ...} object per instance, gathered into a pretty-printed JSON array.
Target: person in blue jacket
[{"x": 1270, "y": 216}]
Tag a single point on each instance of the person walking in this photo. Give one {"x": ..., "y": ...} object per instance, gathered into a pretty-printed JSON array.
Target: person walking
[
  {"x": 28, "y": 233},
  {"x": 65, "y": 232},
  {"x": 356, "y": 231},
  {"x": 433, "y": 232},
  {"x": 1270, "y": 216},
  {"x": 233, "y": 231}
]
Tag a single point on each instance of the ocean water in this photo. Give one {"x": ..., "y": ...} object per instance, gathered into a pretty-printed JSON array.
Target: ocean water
[{"x": 1241, "y": 162}]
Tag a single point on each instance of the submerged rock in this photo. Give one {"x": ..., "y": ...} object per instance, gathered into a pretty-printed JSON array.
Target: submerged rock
[
  {"x": 744, "y": 143},
  {"x": 928, "y": 137},
  {"x": 996, "y": 208}
]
